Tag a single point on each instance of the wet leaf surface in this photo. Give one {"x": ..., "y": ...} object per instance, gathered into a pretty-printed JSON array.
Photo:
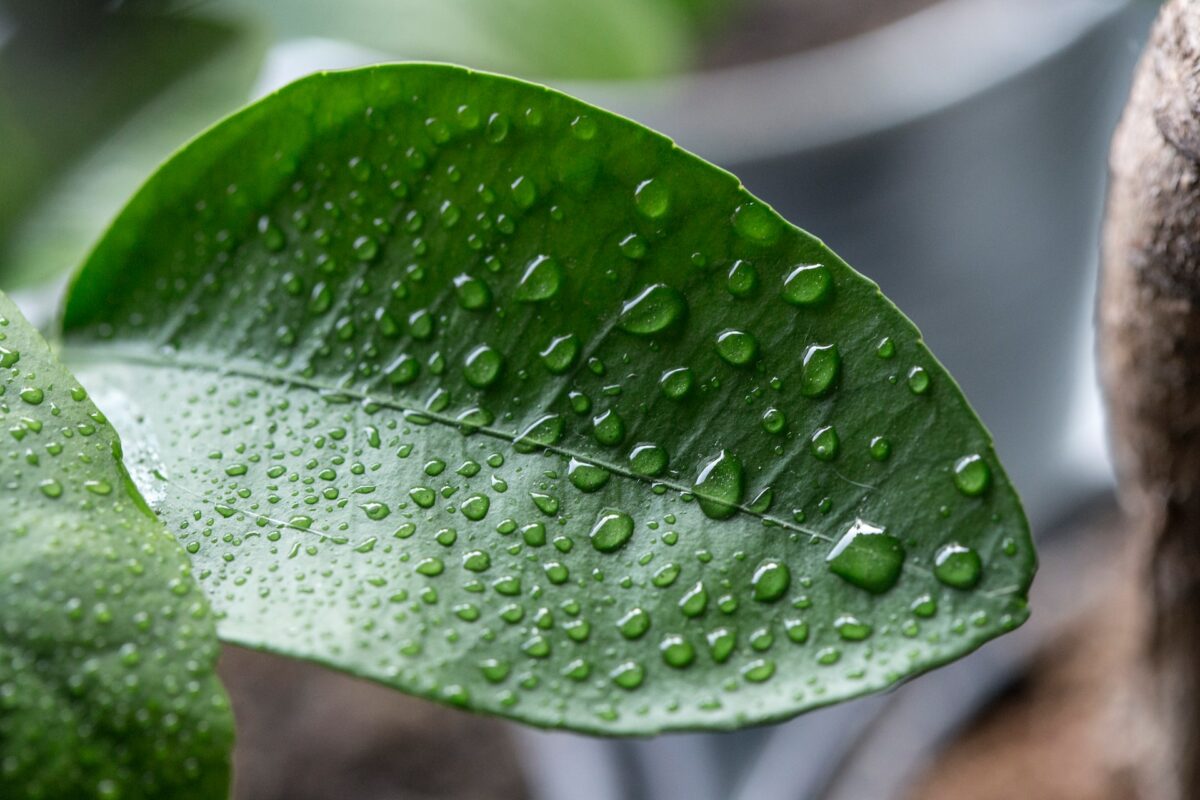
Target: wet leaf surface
[
  {"x": 107, "y": 647},
  {"x": 456, "y": 383}
]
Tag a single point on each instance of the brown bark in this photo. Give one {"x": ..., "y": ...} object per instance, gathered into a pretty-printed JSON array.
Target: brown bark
[{"x": 1149, "y": 317}]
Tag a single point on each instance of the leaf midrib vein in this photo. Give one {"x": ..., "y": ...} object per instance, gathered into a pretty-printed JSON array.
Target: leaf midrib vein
[{"x": 404, "y": 406}]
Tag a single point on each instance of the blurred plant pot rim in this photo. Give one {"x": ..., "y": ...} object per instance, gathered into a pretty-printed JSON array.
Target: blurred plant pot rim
[{"x": 885, "y": 77}]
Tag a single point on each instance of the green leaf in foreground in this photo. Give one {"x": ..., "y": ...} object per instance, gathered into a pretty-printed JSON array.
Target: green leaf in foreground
[
  {"x": 457, "y": 383},
  {"x": 107, "y": 647}
]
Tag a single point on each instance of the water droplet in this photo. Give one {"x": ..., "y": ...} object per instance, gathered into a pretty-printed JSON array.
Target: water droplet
[
  {"x": 924, "y": 606},
  {"x": 958, "y": 566},
  {"x": 850, "y": 628},
  {"x": 545, "y": 431},
  {"x": 51, "y": 488},
  {"x": 756, "y": 222},
  {"x": 797, "y": 630},
  {"x": 33, "y": 396},
  {"x": 494, "y": 670},
  {"x": 523, "y": 191},
  {"x": 972, "y": 475},
  {"x": 477, "y": 561},
  {"x": 482, "y": 366},
  {"x": 475, "y": 507},
  {"x": 918, "y": 380},
  {"x": 376, "y": 511},
  {"x": 676, "y": 383},
  {"x": 720, "y": 486},
  {"x": 472, "y": 293},
  {"x": 771, "y": 581},
  {"x": 423, "y": 496},
  {"x": 824, "y": 443},
  {"x": 738, "y": 348},
  {"x": 634, "y": 623},
  {"x": 773, "y": 420},
  {"x": 807, "y": 285},
  {"x": 633, "y": 247},
  {"x": 431, "y": 567},
  {"x": 742, "y": 279},
  {"x": 880, "y": 448},
  {"x": 653, "y": 310},
  {"x": 608, "y": 428},
  {"x": 721, "y": 643},
  {"x": 677, "y": 651},
  {"x": 403, "y": 370},
  {"x": 628, "y": 675},
  {"x": 820, "y": 367},
  {"x": 8, "y": 357},
  {"x": 366, "y": 248},
  {"x": 759, "y": 670},
  {"x": 694, "y": 601},
  {"x": 545, "y": 503},
  {"x": 611, "y": 531},
  {"x": 867, "y": 557},
  {"x": 586, "y": 477},
  {"x": 652, "y": 198},
  {"x": 666, "y": 575},
  {"x": 543, "y": 275},
  {"x": 648, "y": 459},
  {"x": 100, "y": 487},
  {"x": 560, "y": 355}
]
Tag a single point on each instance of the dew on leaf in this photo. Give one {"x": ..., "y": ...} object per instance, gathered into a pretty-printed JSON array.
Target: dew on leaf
[
  {"x": 958, "y": 566},
  {"x": 867, "y": 557}
]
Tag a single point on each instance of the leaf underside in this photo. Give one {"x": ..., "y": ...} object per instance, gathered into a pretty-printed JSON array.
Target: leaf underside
[
  {"x": 107, "y": 688},
  {"x": 456, "y": 383}
]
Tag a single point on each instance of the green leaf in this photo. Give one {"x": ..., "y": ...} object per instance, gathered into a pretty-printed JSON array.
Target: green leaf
[
  {"x": 107, "y": 647},
  {"x": 462, "y": 385}
]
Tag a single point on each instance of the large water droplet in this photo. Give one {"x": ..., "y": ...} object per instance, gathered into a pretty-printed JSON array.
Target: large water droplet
[
  {"x": 972, "y": 475},
  {"x": 720, "y": 486},
  {"x": 824, "y": 443},
  {"x": 771, "y": 581},
  {"x": 560, "y": 355},
  {"x": 819, "y": 369},
  {"x": 653, "y": 310},
  {"x": 652, "y": 198},
  {"x": 867, "y": 557},
  {"x": 648, "y": 459},
  {"x": 634, "y": 623},
  {"x": 677, "y": 651},
  {"x": 756, "y": 222},
  {"x": 611, "y": 531},
  {"x": 473, "y": 294},
  {"x": 958, "y": 566},
  {"x": 482, "y": 366},
  {"x": 807, "y": 285},
  {"x": 738, "y": 348},
  {"x": 541, "y": 280}
]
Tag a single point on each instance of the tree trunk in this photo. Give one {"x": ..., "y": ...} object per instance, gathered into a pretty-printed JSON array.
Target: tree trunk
[{"x": 1149, "y": 318}]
